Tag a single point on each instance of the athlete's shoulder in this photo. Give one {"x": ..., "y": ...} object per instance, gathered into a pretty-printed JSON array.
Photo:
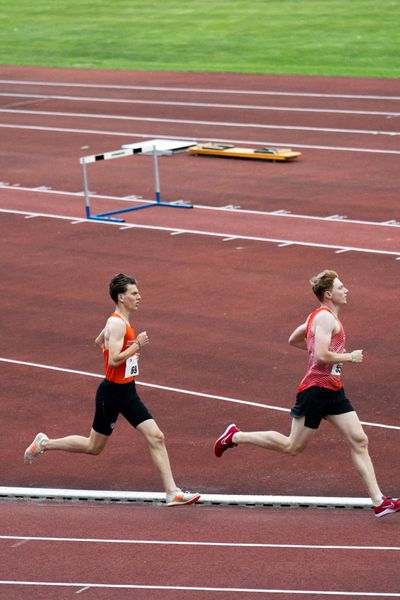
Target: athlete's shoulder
[
  {"x": 322, "y": 317},
  {"x": 326, "y": 320},
  {"x": 324, "y": 312},
  {"x": 116, "y": 323},
  {"x": 318, "y": 313}
]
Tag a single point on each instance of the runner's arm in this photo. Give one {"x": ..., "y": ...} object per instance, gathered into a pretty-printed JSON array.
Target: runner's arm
[
  {"x": 325, "y": 324},
  {"x": 116, "y": 333},
  {"x": 99, "y": 341},
  {"x": 298, "y": 337}
]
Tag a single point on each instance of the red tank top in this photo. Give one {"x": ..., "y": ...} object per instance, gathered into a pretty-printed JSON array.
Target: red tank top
[
  {"x": 117, "y": 374},
  {"x": 326, "y": 375}
]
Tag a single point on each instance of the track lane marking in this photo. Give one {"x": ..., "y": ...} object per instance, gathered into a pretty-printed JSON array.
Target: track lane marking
[
  {"x": 188, "y": 588},
  {"x": 173, "y": 389},
  {"x": 391, "y": 223},
  {"x": 161, "y": 135},
  {"x": 278, "y": 241},
  {"x": 197, "y": 90},
  {"x": 205, "y": 105},
  {"x": 192, "y": 121},
  {"x": 196, "y": 543}
]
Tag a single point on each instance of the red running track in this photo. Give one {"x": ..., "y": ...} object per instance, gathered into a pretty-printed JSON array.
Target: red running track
[
  {"x": 322, "y": 233},
  {"x": 193, "y": 348},
  {"x": 206, "y": 551},
  {"x": 200, "y": 296},
  {"x": 346, "y": 129}
]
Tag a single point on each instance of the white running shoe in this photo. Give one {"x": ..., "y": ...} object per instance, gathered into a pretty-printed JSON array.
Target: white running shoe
[
  {"x": 179, "y": 498},
  {"x": 35, "y": 448}
]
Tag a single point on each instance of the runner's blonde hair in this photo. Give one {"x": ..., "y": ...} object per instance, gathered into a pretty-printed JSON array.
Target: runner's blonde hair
[{"x": 323, "y": 282}]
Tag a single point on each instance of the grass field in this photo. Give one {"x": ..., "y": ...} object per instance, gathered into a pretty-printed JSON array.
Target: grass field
[{"x": 321, "y": 37}]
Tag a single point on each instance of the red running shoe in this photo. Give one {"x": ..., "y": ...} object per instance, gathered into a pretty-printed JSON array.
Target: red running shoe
[
  {"x": 225, "y": 440},
  {"x": 387, "y": 506}
]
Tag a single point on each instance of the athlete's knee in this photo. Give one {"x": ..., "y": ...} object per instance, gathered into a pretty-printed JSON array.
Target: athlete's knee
[
  {"x": 359, "y": 441},
  {"x": 95, "y": 447},
  {"x": 294, "y": 449},
  {"x": 156, "y": 438},
  {"x": 95, "y": 450},
  {"x": 293, "y": 446}
]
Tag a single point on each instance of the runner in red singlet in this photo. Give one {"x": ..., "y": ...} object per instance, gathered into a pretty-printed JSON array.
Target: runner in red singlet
[
  {"x": 320, "y": 392},
  {"x": 318, "y": 373},
  {"x": 117, "y": 394}
]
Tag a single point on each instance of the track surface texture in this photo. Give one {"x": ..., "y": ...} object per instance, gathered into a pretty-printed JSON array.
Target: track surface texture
[{"x": 222, "y": 285}]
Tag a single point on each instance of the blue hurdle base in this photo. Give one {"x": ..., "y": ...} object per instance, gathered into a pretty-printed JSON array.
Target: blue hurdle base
[{"x": 107, "y": 216}]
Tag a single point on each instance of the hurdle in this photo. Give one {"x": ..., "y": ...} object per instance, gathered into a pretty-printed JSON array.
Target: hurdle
[{"x": 154, "y": 148}]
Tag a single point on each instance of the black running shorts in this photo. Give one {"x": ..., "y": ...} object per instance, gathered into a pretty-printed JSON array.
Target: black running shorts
[
  {"x": 316, "y": 403},
  {"x": 113, "y": 399}
]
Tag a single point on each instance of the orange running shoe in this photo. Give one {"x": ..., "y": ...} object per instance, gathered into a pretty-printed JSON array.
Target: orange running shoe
[
  {"x": 179, "y": 498},
  {"x": 35, "y": 448}
]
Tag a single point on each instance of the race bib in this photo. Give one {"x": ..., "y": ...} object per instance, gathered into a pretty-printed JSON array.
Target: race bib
[
  {"x": 132, "y": 366},
  {"x": 337, "y": 369}
]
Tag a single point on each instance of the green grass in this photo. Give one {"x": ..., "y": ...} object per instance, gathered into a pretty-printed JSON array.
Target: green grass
[{"x": 320, "y": 37}]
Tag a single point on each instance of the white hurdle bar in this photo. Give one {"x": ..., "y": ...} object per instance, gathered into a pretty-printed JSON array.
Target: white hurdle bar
[{"x": 149, "y": 147}]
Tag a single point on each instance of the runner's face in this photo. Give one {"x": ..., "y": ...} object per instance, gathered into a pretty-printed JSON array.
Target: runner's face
[
  {"x": 131, "y": 298},
  {"x": 338, "y": 292}
]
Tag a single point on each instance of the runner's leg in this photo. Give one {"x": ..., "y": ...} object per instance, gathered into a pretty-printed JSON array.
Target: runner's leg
[
  {"x": 158, "y": 452},
  {"x": 94, "y": 444},
  {"x": 349, "y": 425},
  {"x": 293, "y": 444}
]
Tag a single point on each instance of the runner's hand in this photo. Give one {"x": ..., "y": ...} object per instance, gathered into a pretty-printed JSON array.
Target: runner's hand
[
  {"x": 357, "y": 356},
  {"x": 143, "y": 338}
]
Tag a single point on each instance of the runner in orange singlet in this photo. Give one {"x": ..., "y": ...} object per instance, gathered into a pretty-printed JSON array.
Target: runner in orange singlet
[
  {"x": 320, "y": 392},
  {"x": 117, "y": 394}
]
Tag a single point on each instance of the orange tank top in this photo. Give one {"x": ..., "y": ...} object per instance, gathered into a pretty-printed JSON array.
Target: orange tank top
[
  {"x": 326, "y": 375},
  {"x": 118, "y": 374}
]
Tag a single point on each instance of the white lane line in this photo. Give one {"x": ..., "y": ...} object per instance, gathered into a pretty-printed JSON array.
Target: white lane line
[
  {"x": 197, "y": 90},
  {"x": 276, "y": 213},
  {"x": 21, "y": 542},
  {"x": 162, "y": 135},
  {"x": 210, "y": 544},
  {"x": 192, "y": 121},
  {"x": 210, "y": 105},
  {"x": 279, "y": 242},
  {"x": 126, "y": 586},
  {"x": 151, "y": 385},
  {"x": 173, "y": 389},
  {"x": 50, "y": 216},
  {"x": 127, "y": 226},
  {"x": 216, "y": 234}
]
